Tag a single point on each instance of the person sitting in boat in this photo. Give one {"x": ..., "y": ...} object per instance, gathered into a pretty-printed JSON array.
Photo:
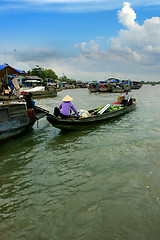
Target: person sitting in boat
[
  {"x": 29, "y": 102},
  {"x": 127, "y": 101},
  {"x": 65, "y": 108},
  {"x": 7, "y": 89}
]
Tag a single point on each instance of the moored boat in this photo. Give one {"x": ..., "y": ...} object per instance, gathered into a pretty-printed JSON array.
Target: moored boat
[
  {"x": 136, "y": 85},
  {"x": 105, "y": 86},
  {"x": 125, "y": 85},
  {"x": 40, "y": 91},
  {"x": 93, "y": 86},
  {"x": 95, "y": 116},
  {"x": 16, "y": 119}
]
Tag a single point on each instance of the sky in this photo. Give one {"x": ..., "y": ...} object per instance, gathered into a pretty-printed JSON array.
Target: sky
[{"x": 84, "y": 40}]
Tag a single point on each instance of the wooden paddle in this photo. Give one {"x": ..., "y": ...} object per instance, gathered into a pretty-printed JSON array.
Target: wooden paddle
[
  {"x": 104, "y": 108},
  {"x": 97, "y": 110}
]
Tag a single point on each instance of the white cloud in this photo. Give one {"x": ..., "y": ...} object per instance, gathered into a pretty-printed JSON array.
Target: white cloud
[
  {"x": 135, "y": 43},
  {"x": 127, "y": 16},
  {"x": 135, "y": 52},
  {"x": 137, "y": 38},
  {"x": 134, "y": 48}
]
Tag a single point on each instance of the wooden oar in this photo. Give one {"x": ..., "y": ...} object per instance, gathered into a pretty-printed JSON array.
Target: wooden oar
[
  {"x": 104, "y": 108},
  {"x": 97, "y": 110},
  {"x": 42, "y": 109}
]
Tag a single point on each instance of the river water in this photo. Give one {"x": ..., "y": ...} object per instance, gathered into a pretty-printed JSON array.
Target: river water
[{"x": 102, "y": 182}]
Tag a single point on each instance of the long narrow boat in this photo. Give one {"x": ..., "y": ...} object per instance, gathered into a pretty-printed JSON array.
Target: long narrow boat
[{"x": 74, "y": 123}]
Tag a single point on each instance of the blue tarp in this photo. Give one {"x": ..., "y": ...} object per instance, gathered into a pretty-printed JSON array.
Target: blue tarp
[
  {"x": 125, "y": 82},
  {"x": 2, "y": 66},
  {"x": 10, "y": 70},
  {"x": 103, "y": 81},
  {"x": 114, "y": 81}
]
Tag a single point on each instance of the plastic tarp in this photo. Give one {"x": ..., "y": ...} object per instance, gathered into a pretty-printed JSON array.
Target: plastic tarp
[
  {"x": 16, "y": 87},
  {"x": 6, "y": 69},
  {"x": 103, "y": 81},
  {"x": 35, "y": 89},
  {"x": 125, "y": 82},
  {"x": 33, "y": 81},
  {"x": 114, "y": 81}
]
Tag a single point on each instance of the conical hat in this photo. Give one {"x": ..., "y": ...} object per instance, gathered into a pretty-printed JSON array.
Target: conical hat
[{"x": 67, "y": 98}]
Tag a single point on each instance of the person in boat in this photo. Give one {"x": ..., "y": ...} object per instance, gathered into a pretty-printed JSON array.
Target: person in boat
[
  {"x": 7, "y": 89},
  {"x": 65, "y": 108},
  {"x": 127, "y": 101},
  {"x": 11, "y": 85},
  {"x": 29, "y": 102}
]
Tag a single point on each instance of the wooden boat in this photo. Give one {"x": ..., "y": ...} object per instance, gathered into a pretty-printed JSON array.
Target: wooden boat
[
  {"x": 136, "y": 85},
  {"x": 125, "y": 85},
  {"x": 93, "y": 87},
  {"x": 16, "y": 119},
  {"x": 95, "y": 117},
  {"x": 40, "y": 91},
  {"x": 104, "y": 86},
  {"x": 118, "y": 89}
]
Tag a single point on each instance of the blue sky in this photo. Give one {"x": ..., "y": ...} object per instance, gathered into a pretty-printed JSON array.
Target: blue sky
[{"x": 84, "y": 39}]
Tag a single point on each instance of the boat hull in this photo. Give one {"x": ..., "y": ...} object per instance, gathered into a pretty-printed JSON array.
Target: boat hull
[
  {"x": 93, "y": 90},
  {"x": 76, "y": 124},
  {"x": 15, "y": 131},
  {"x": 15, "y": 119}
]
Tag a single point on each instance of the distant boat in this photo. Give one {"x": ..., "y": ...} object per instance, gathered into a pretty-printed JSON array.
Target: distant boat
[
  {"x": 105, "y": 86},
  {"x": 136, "y": 85},
  {"x": 118, "y": 89},
  {"x": 125, "y": 85},
  {"x": 93, "y": 86}
]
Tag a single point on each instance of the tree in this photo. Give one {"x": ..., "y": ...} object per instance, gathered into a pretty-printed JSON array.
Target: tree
[
  {"x": 49, "y": 73},
  {"x": 38, "y": 71},
  {"x": 64, "y": 79},
  {"x": 43, "y": 73}
]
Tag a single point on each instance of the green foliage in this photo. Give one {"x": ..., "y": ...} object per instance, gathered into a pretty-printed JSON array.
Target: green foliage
[
  {"x": 49, "y": 73},
  {"x": 42, "y": 73},
  {"x": 64, "y": 79},
  {"x": 150, "y": 82},
  {"x": 37, "y": 71}
]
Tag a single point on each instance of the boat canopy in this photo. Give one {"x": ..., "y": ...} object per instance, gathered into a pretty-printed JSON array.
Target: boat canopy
[
  {"x": 33, "y": 81},
  {"x": 94, "y": 83},
  {"x": 6, "y": 69},
  {"x": 103, "y": 81},
  {"x": 114, "y": 81},
  {"x": 125, "y": 82}
]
